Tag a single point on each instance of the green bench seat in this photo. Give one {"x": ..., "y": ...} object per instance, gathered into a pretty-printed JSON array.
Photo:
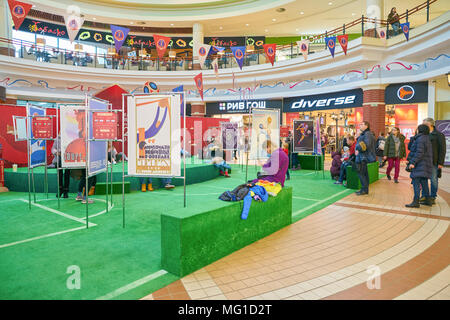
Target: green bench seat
[{"x": 353, "y": 179}]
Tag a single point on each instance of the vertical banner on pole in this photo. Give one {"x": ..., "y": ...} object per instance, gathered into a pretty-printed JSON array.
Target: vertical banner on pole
[
  {"x": 73, "y": 136},
  {"x": 229, "y": 135},
  {"x": 37, "y": 147},
  {"x": 154, "y": 147},
  {"x": 97, "y": 150},
  {"x": 303, "y": 136},
  {"x": 318, "y": 138},
  {"x": 265, "y": 130}
]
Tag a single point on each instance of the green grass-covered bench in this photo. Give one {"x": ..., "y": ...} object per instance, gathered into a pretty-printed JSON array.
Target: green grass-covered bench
[
  {"x": 307, "y": 161},
  {"x": 100, "y": 187},
  {"x": 196, "y": 236},
  {"x": 353, "y": 179}
]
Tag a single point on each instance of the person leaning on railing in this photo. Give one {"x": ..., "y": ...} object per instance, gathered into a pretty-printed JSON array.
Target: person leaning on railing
[{"x": 394, "y": 20}]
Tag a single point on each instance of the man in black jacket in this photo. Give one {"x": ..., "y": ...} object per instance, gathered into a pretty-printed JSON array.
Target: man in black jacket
[{"x": 439, "y": 150}]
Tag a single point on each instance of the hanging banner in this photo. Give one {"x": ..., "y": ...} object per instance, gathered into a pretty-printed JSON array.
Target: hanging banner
[
  {"x": 382, "y": 33},
  {"x": 331, "y": 44},
  {"x": 215, "y": 65},
  {"x": 199, "y": 83},
  {"x": 270, "y": 50},
  {"x": 343, "y": 41},
  {"x": 405, "y": 29},
  {"x": 42, "y": 127},
  {"x": 265, "y": 131},
  {"x": 154, "y": 147},
  {"x": 161, "y": 43},
  {"x": 304, "y": 48},
  {"x": 229, "y": 135},
  {"x": 443, "y": 126},
  {"x": 73, "y": 25},
  {"x": 238, "y": 53},
  {"x": 203, "y": 52},
  {"x": 303, "y": 136},
  {"x": 119, "y": 35},
  {"x": 216, "y": 49},
  {"x": 73, "y": 136},
  {"x": 180, "y": 89},
  {"x": 37, "y": 147},
  {"x": 97, "y": 157},
  {"x": 104, "y": 125},
  {"x": 19, "y": 11}
]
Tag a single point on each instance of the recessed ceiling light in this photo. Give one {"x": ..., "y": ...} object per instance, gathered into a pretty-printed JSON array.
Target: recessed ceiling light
[
  {"x": 274, "y": 19},
  {"x": 171, "y": 24},
  {"x": 131, "y": 22},
  {"x": 247, "y": 24},
  {"x": 94, "y": 18},
  {"x": 330, "y": 3},
  {"x": 266, "y": 30},
  {"x": 220, "y": 28},
  {"x": 302, "y": 12},
  {"x": 353, "y": 14}
]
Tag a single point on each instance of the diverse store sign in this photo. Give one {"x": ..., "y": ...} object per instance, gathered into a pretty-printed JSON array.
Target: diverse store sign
[
  {"x": 240, "y": 106},
  {"x": 106, "y": 37},
  {"x": 343, "y": 99},
  {"x": 413, "y": 92}
]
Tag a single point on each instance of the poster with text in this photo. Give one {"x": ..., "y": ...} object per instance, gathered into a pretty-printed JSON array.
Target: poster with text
[
  {"x": 42, "y": 127},
  {"x": 265, "y": 132},
  {"x": 96, "y": 149},
  {"x": 229, "y": 135},
  {"x": 154, "y": 147},
  {"x": 303, "y": 136},
  {"x": 37, "y": 147},
  {"x": 104, "y": 125},
  {"x": 73, "y": 136},
  {"x": 443, "y": 126}
]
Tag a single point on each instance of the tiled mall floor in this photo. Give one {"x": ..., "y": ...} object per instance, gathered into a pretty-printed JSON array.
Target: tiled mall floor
[{"x": 361, "y": 247}]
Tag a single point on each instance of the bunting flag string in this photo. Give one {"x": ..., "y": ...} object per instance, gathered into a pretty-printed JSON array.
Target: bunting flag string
[
  {"x": 203, "y": 52},
  {"x": 119, "y": 35},
  {"x": 19, "y": 10},
  {"x": 270, "y": 51},
  {"x": 216, "y": 49},
  {"x": 343, "y": 41},
  {"x": 382, "y": 33},
  {"x": 73, "y": 25},
  {"x": 161, "y": 44},
  {"x": 405, "y": 29},
  {"x": 198, "y": 79},
  {"x": 304, "y": 48},
  {"x": 239, "y": 53},
  {"x": 331, "y": 44}
]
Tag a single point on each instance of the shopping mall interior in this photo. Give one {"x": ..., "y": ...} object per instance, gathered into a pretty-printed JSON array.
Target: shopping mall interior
[{"x": 279, "y": 150}]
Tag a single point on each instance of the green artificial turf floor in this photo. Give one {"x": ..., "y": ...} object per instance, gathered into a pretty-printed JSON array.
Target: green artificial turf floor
[{"x": 38, "y": 247}]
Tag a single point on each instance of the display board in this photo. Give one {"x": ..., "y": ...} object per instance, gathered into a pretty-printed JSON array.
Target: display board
[
  {"x": 443, "y": 126},
  {"x": 154, "y": 133},
  {"x": 73, "y": 135},
  {"x": 229, "y": 135},
  {"x": 20, "y": 128},
  {"x": 37, "y": 146},
  {"x": 265, "y": 130},
  {"x": 303, "y": 136},
  {"x": 97, "y": 158},
  {"x": 104, "y": 125},
  {"x": 42, "y": 127}
]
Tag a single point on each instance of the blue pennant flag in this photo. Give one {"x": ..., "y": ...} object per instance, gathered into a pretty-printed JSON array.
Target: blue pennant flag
[
  {"x": 119, "y": 35},
  {"x": 331, "y": 44},
  {"x": 215, "y": 49},
  {"x": 180, "y": 89},
  {"x": 239, "y": 53},
  {"x": 405, "y": 29}
]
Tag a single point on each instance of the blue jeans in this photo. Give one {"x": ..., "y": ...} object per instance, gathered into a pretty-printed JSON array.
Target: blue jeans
[
  {"x": 364, "y": 176},
  {"x": 294, "y": 160},
  {"x": 343, "y": 171},
  {"x": 166, "y": 181},
  {"x": 434, "y": 182},
  {"x": 419, "y": 183},
  {"x": 144, "y": 180}
]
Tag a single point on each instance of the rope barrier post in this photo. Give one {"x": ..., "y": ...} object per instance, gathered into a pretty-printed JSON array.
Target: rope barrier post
[
  {"x": 362, "y": 26},
  {"x": 407, "y": 15},
  {"x": 428, "y": 10}
]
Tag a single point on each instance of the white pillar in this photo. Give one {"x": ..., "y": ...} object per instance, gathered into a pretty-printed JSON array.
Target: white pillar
[
  {"x": 197, "y": 37},
  {"x": 374, "y": 9},
  {"x": 431, "y": 98}
]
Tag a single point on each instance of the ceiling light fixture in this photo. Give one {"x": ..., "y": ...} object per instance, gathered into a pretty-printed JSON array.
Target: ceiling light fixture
[
  {"x": 274, "y": 19},
  {"x": 330, "y": 3},
  {"x": 247, "y": 24},
  {"x": 171, "y": 24},
  {"x": 302, "y": 12},
  {"x": 94, "y": 18},
  {"x": 220, "y": 28}
]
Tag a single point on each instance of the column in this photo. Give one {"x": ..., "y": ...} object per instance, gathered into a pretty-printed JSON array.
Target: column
[
  {"x": 198, "y": 108},
  {"x": 374, "y": 109},
  {"x": 374, "y": 10},
  {"x": 431, "y": 99},
  {"x": 5, "y": 28}
]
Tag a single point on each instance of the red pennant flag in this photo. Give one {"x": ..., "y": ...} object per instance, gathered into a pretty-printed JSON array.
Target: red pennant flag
[
  {"x": 161, "y": 44},
  {"x": 343, "y": 41},
  {"x": 199, "y": 83},
  {"x": 270, "y": 50},
  {"x": 19, "y": 11}
]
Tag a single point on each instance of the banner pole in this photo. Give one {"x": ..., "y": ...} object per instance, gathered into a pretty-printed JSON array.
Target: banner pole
[
  {"x": 28, "y": 157},
  {"x": 106, "y": 172},
  {"x": 184, "y": 140},
  {"x": 58, "y": 150},
  {"x": 46, "y": 171},
  {"x": 86, "y": 191},
  {"x": 123, "y": 162}
]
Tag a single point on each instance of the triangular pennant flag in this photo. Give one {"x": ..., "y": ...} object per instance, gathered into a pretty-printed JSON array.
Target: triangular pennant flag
[
  {"x": 199, "y": 83},
  {"x": 203, "y": 52},
  {"x": 405, "y": 29},
  {"x": 343, "y": 41},
  {"x": 331, "y": 44},
  {"x": 73, "y": 25},
  {"x": 238, "y": 53},
  {"x": 161, "y": 44},
  {"x": 119, "y": 34},
  {"x": 19, "y": 11},
  {"x": 382, "y": 33},
  {"x": 215, "y": 65},
  {"x": 270, "y": 50},
  {"x": 216, "y": 49},
  {"x": 304, "y": 47}
]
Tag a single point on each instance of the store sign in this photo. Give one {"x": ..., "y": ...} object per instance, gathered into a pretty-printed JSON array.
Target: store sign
[
  {"x": 95, "y": 36},
  {"x": 399, "y": 93},
  {"x": 241, "y": 106},
  {"x": 342, "y": 99}
]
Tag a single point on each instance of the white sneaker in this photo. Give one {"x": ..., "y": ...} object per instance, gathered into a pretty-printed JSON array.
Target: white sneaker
[
  {"x": 169, "y": 186},
  {"x": 89, "y": 201}
]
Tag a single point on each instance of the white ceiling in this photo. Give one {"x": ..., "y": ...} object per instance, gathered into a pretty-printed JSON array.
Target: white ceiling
[{"x": 245, "y": 17}]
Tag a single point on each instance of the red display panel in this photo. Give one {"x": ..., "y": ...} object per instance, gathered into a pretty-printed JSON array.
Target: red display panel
[
  {"x": 284, "y": 131},
  {"x": 42, "y": 127},
  {"x": 104, "y": 125}
]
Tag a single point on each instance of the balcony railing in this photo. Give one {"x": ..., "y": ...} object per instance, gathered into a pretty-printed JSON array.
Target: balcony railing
[{"x": 362, "y": 26}]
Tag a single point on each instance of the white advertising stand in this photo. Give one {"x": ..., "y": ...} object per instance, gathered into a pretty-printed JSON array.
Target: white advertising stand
[
  {"x": 154, "y": 136},
  {"x": 314, "y": 150}
]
